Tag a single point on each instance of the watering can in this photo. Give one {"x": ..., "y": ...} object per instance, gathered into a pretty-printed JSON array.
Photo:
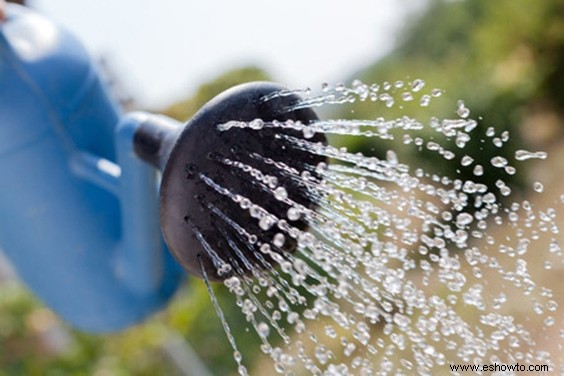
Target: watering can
[
  {"x": 84, "y": 217},
  {"x": 78, "y": 210}
]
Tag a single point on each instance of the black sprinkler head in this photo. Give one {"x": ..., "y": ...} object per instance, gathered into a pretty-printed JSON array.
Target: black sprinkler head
[{"x": 207, "y": 172}]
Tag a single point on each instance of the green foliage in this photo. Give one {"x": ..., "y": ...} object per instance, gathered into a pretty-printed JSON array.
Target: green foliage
[
  {"x": 188, "y": 107},
  {"x": 503, "y": 58}
]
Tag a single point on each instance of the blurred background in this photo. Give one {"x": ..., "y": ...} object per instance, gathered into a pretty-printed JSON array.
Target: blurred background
[{"x": 504, "y": 58}]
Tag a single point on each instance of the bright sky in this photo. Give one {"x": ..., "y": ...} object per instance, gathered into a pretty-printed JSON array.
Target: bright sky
[{"x": 165, "y": 49}]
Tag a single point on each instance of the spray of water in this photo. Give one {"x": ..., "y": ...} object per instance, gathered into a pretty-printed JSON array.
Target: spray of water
[{"x": 401, "y": 270}]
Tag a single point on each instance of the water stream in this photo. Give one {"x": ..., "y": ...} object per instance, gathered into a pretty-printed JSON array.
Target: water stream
[{"x": 402, "y": 270}]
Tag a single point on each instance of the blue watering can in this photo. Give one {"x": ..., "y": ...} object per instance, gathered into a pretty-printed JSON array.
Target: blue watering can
[
  {"x": 80, "y": 202},
  {"x": 78, "y": 211}
]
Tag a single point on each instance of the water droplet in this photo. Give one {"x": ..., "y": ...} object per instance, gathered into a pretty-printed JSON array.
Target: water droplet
[
  {"x": 401, "y": 321},
  {"x": 552, "y": 306},
  {"x": 466, "y": 160},
  {"x": 321, "y": 167},
  {"x": 431, "y": 145},
  {"x": 387, "y": 99},
  {"x": 462, "y": 111},
  {"x": 278, "y": 240},
  {"x": 464, "y": 219},
  {"x": 417, "y": 85},
  {"x": 280, "y": 194},
  {"x": 242, "y": 370},
  {"x": 245, "y": 203},
  {"x": 425, "y": 100},
  {"x": 449, "y": 155},
  {"x": 293, "y": 214},
  {"x": 322, "y": 354},
  {"x": 272, "y": 181},
  {"x": 349, "y": 349},
  {"x": 538, "y": 186},
  {"x": 523, "y": 155},
  {"x": 504, "y": 136},
  {"x": 498, "y": 162},
  {"x": 510, "y": 170},
  {"x": 255, "y": 211},
  {"x": 256, "y": 124},
  {"x": 308, "y": 132},
  {"x": 267, "y": 222},
  {"x": 429, "y": 350},
  {"x": 263, "y": 329},
  {"x": 407, "y": 96},
  {"x": 392, "y": 283},
  {"x": 505, "y": 191}
]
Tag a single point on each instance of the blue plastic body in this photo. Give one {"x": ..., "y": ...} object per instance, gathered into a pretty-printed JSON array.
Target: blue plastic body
[{"x": 78, "y": 210}]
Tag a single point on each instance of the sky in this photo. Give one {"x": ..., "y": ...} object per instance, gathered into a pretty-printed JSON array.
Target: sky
[{"x": 163, "y": 50}]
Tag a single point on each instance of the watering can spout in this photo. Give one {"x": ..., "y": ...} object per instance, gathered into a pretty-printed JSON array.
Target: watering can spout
[{"x": 153, "y": 138}]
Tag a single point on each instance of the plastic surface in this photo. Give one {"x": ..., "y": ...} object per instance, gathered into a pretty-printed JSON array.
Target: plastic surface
[
  {"x": 78, "y": 209},
  {"x": 198, "y": 219}
]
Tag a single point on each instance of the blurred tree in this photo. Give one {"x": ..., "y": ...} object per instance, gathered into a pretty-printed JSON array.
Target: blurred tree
[
  {"x": 184, "y": 109},
  {"x": 504, "y": 59}
]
